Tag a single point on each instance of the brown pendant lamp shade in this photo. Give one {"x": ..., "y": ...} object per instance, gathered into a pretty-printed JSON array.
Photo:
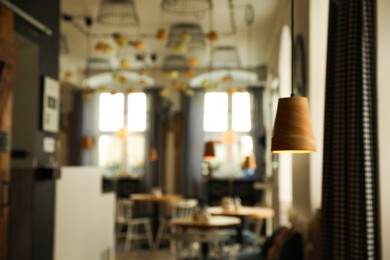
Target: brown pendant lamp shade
[
  {"x": 292, "y": 130},
  {"x": 250, "y": 162},
  {"x": 209, "y": 152}
]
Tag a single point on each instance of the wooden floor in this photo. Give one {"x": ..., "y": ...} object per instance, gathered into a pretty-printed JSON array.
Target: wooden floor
[
  {"x": 145, "y": 254},
  {"x": 142, "y": 252}
]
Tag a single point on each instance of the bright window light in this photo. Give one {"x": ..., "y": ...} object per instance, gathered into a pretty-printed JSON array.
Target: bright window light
[
  {"x": 113, "y": 158},
  {"x": 111, "y": 112},
  {"x": 215, "y": 112},
  {"x": 136, "y": 115},
  {"x": 241, "y": 112}
]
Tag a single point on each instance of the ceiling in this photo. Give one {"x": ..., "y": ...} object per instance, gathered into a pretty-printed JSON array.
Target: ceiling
[{"x": 229, "y": 18}]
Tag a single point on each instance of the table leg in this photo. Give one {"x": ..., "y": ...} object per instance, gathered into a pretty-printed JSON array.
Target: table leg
[
  {"x": 205, "y": 250},
  {"x": 155, "y": 219},
  {"x": 240, "y": 229}
]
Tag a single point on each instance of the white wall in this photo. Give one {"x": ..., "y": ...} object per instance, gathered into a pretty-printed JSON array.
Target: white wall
[
  {"x": 383, "y": 62},
  {"x": 84, "y": 216},
  {"x": 318, "y": 42}
]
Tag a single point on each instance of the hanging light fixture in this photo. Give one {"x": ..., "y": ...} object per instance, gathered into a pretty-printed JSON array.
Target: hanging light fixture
[
  {"x": 209, "y": 152},
  {"x": 118, "y": 13},
  {"x": 185, "y": 7},
  {"x": 292, "y": 130}
]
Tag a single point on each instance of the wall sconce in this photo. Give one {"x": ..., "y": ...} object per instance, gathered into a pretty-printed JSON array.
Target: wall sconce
[
  {"x": 153, "y": 155},
  {"x": 87, "y": 142}
]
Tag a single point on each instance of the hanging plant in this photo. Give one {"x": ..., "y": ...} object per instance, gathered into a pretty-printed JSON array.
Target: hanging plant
[
  {"x": 164, "y": 92},
  {"x": 124, "y": 64},
  {"x": 189, "y": 92},
  {"x": 180, "y": 47},
  {"x": 189, "y": 73},
  {"x": 120, "y": 40},
  {"x": 122, "y": 79},
  {"x": 139, "y": 46},
  {"x": 185, "y": 37},
  {"x": 103, "y": 47},
  {"x": 161, "y": 35},
  {"x": 192, "y": 61},
  {"x": 87, "y": 95},
  {"x": 212, "y": 36},
  {"x": 129, "y": 90},
  {"x": 230, "y": 91},
  {"x": 68, "y": 75},
  {"x": 227, "y": 79},
  {"x": 142, "y": 83}
]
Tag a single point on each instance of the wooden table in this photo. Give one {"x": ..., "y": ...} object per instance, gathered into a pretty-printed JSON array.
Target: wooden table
[
  {"x": 155, "y": 200},
  {"x": 243, "y": 212},
  {"x": 214, "y": 222}
]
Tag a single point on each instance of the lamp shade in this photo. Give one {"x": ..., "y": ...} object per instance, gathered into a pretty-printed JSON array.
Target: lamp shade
[
  {"x": 250, "y": 162},
  {"x": 185, "y": 7},
  {"x": 118, "y": 13},
  {"x": 292, "y": 130},
  {"x": 209, "y": 152}
]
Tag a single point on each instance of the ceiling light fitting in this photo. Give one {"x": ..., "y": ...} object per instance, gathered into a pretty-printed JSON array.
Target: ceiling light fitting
[
  {"x": 118, "y": 13},
  {"x": 185, "y": 7},
  {"x": 292, "y": 130}
]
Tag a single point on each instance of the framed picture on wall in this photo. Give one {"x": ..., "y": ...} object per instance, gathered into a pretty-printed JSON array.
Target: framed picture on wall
[{"x": 50, "y": 105}]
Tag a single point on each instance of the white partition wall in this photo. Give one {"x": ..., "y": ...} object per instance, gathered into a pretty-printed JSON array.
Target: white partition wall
[{"x": 84, "y": 216}]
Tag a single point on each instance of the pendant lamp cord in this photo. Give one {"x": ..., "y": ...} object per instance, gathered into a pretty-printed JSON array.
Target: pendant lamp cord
[{"x": 292, "y": 48}]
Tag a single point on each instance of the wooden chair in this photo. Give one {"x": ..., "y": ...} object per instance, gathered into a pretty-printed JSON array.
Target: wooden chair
[
  {"x": 124, "y": 218},
  {"x": 180, "y": 209}
]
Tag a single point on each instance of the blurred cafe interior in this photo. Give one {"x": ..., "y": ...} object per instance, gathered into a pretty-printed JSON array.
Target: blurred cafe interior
[{"x": 194, "y": 129}]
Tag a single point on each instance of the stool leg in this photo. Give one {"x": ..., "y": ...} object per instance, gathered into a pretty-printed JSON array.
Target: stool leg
[
  {"x": 148, "y": 231},
  {"x": 129, "y": 237}
]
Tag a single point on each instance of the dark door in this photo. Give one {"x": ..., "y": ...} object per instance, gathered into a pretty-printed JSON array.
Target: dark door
[{"x": 8, "y": 60}]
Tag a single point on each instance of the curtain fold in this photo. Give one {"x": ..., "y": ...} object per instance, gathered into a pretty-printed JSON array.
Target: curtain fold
[
  {"x": 84, "y": 125},
  {"x": 258, "y": 131},
  {"x": 349, "y": 218},
  {"x": 153, "y": 176},
  {"x": 192, "y": 107}
]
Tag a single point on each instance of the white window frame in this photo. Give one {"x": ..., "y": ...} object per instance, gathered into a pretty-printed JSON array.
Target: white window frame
[{"x": 99, "y": 133}]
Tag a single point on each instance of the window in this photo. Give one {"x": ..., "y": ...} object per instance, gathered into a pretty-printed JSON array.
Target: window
[
  {"x": 121, "y": 132},
  {"x": 227, "y": 122}
]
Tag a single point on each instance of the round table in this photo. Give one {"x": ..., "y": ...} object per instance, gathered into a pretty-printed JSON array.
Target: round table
[
  {"x": 214, "y": 222},
  {"x": 164, "y": 198},
  {"x": 243, "y": 212},
  {"x": 155, "y": 199}
]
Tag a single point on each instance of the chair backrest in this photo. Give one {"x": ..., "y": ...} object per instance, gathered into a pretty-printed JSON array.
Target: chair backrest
[
  {"x": 124, "y": 209},
  {"x": 183, "y": 208}
]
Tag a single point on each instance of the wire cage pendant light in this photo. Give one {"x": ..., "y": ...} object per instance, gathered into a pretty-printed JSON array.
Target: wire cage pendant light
[
  {"x": 292, "y": 129},
  {"x": 118, "y": 13},
  {"x": 185, "y": 7}
]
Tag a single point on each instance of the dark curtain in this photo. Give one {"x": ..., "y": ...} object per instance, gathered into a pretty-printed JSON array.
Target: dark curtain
[
  {"x": 349, "y": 218},
  {"x": 258, "y": 131},
  {"x": 77, "y": 123},
  {"x": 192, "y": 107},
  {"x": 83, "y": 125},
  {"x": 156, "y": 112}
]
